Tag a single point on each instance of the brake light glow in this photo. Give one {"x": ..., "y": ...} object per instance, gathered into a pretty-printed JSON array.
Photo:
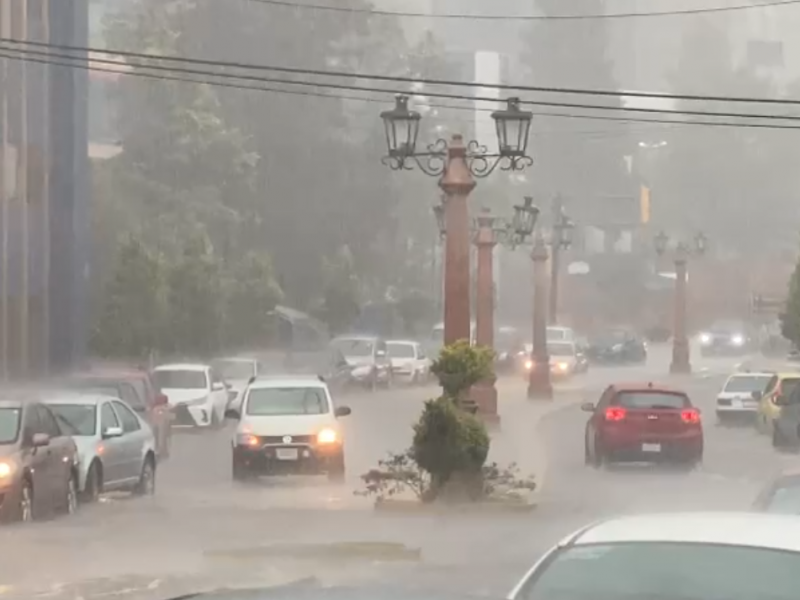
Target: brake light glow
[
  {"x": 690, "y": 416},
  {"x": 615, "y": 413}
]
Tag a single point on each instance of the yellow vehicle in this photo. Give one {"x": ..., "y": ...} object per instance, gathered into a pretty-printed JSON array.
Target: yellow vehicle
[{"x": 781, "y": 384}]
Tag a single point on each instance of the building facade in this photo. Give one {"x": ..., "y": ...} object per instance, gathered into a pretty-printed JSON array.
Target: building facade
[{"x": 44, "y": 190}]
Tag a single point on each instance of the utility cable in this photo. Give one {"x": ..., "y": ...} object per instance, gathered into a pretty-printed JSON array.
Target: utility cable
[
  {"x": 84, "y": 64},
  {"x": 349, "y": 87},
  {"x": 401, "y": 79},
  {"x": 469, "y": 17}
]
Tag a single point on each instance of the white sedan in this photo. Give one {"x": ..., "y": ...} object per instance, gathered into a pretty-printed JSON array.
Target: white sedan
[
  {"x": 675, "y": 556},
  {"x": 409, "y": 361},
  {"x": 196, "y": 394}
]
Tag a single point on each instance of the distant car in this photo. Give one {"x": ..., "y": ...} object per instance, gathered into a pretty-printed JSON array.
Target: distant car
[
  {"x": 565, "y": 359},
  {"x": 727, "y": 338},
  {"x": 740, "y": 396},
  {"x": 116, "y": 447},
  {"x": 235, "y": 373},
  {"x": 677, "y": 556},
  {"x": 137, "y": 388},
  {"x": 38, "y": 462},
  {"x": 196, "y": 393},
  {"x": 770, "y": 406},
  {"x": 557, "y": 333},
  {"x": 288, "y": 426},
  {"x": 368, "y": 359},
  {"x": 781, "y": 495},
  {"x": 410, "y": 364},
  {"x": 617, "y": 346},
  {"x": 643, "y": 422}
]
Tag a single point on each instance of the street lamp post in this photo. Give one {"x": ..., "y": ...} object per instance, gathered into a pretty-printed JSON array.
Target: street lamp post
[
  {"x": 681, "y": 253},
  {"x": 562, "y": 240},
  {"x": 456, "y": 164},
  {"x": 488, "y": 232},
  {"x": 539, "y": 385}
]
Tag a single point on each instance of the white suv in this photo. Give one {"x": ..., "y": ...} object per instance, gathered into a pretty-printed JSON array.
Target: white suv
[{"x": 288, "y": 425}]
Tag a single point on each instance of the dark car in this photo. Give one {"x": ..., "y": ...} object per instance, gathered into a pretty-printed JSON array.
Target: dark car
[
  {"x": 781, "y": 495},
  {"x": 643, "y": 423},
  {"x": 38, "y": 462},
  {"x": 137, "y": 388},
  {"x": 727, "y": 338},
  {"x": 617, "y": 346}
]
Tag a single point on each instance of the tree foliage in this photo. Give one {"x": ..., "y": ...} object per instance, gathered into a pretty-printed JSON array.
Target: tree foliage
[
  {"x": 790, "y": 318},
  {"x": 460, "y": 366}
]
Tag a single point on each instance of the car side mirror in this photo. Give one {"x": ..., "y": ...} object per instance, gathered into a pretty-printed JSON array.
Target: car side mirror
[
  {"x": 587, "y": 407},
  {"x": 342, "y": 411},
  {"x": 40, "y": 440},
  {"x": 232, "y": 414},
  {"x": 112, "y": 432}
]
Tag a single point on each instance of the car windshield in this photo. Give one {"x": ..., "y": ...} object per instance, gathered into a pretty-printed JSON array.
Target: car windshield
[
  {"x": 354, "y": 347},
  {"x": 399, "y": 350},
  {"x": 236, "y": 370},
  {"x": 747, "y": 384},
  {"x": 82, "y": 418},
  {"x": 663, "y": 570},
  {"x": 654, "y": 399},
  {"x": 9, "y": 425},
  {"x": 287, "y": 401},
  {"x": 556, "y": 349},
  {"x": 180, "y": 379},
  {"x": 556, "y": 333}
]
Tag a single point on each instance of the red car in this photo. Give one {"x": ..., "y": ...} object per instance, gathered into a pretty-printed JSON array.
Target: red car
[{"x": 643, "y": 423}]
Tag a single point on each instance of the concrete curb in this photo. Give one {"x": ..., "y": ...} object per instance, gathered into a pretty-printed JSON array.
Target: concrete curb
[{"x": 485, "y": 507}]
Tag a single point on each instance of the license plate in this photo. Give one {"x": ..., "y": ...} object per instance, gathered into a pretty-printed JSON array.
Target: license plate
[
  {"x": 286, "y": 453},
  {"x": 737, "y": 404},
  {"x": 651, "y": 447}
]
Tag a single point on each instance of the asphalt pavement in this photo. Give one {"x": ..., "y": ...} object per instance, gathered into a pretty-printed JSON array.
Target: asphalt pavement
[{"x": 201, "y": 530}]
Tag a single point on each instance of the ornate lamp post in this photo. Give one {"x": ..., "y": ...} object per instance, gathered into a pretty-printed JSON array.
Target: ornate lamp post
[
  {"x": 456, "y": 165},
  {"x": 681, "y": 252},
  {"x": 488, "y": 232},
  {"x": 539, "y": 384},
  {"x": 563, "y": 228}
]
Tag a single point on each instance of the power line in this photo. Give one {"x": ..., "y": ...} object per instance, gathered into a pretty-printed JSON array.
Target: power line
[
  {"x": 403, "y": 79},
  {"x": 47, "y": 59},
  {"x": 468, "y": 17}
]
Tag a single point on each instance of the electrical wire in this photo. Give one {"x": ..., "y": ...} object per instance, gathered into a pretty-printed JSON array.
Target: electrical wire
[
  {"x": 84, "y": 63},
  {"x": 468, "y": 17},
  {"x": 402, "y": 79},
  {"x": 440, "y": 95}
]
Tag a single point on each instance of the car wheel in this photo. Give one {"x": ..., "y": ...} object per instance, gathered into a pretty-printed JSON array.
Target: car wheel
[
  {"x": 337, "y": 471},
  {"x": 240, "y": 472},
  {"x": 94, "y": 483},
  {"x": 71, "y": 497},
  {"x": 147, "y": 479},
  {"x": 25, "y": 507}
]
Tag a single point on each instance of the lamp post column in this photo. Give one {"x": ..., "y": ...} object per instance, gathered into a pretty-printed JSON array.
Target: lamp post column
[
  {"x": 484, "y": 393},
  {"x": 539, "y": 385},
  {"x": 456, "y": 182},
  {"x": 680, "y": 342}
]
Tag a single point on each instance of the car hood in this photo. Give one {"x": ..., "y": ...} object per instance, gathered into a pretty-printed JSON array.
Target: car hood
[
  {"x": 177, "y": 396},
  {"x": 289, "y": 425}
]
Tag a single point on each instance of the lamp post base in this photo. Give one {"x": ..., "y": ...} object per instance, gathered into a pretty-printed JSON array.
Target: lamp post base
[
  {"x": 484, "y": 395},
  {"x": 680, "y": 358}
]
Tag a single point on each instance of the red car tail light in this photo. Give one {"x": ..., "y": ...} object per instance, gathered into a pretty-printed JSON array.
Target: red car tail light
[
  {"x": 690, "y": 416},
  {"x": 615, "y": 413}
]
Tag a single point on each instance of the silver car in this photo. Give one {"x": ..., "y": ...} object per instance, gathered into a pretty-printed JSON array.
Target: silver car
[{"x": 116, "y": 447}]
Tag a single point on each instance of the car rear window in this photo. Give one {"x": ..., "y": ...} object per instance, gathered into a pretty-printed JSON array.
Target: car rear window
[{"x": 654, "y": 399}]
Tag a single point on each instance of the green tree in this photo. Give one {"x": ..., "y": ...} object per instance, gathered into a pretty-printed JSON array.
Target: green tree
[
  {"x": 340, "y": 296},
  {"x": 790, "y": 318},
  {"x": 196, "y": 300},
  {"x": 131, "y": 318},
  {"x": 253, "y": 295},
  {"x": 460, "y": 366}
]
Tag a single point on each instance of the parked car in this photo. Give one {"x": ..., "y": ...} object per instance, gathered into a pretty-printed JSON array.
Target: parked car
[
  {"x": 137, "y": 388},
  {"x": 771, "y": 403},
  {"x": 38, "y": 462},
  {"x": 643, "y": 423},
  {"x": 116, "y": 446},
  {"x": 368, "y": 358},
  {"x": 196, "y": 394},
  {"x": 235, "y": 373},
  {"x": 409, "y": 362},
  {"x": 617, "y": 346}
]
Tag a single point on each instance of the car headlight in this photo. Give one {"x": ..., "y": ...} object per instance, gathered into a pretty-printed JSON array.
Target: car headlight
[
  {"x": 327, "y": 436},
  {"x": 562, "y": 366},
  {"x": 6, "y": 470},
  {"x": 705, "y": 338},
  {"x": 528, "y": 364},
  {"x": 737, "y": 340},
  {"x": 247, "y": 439}
]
